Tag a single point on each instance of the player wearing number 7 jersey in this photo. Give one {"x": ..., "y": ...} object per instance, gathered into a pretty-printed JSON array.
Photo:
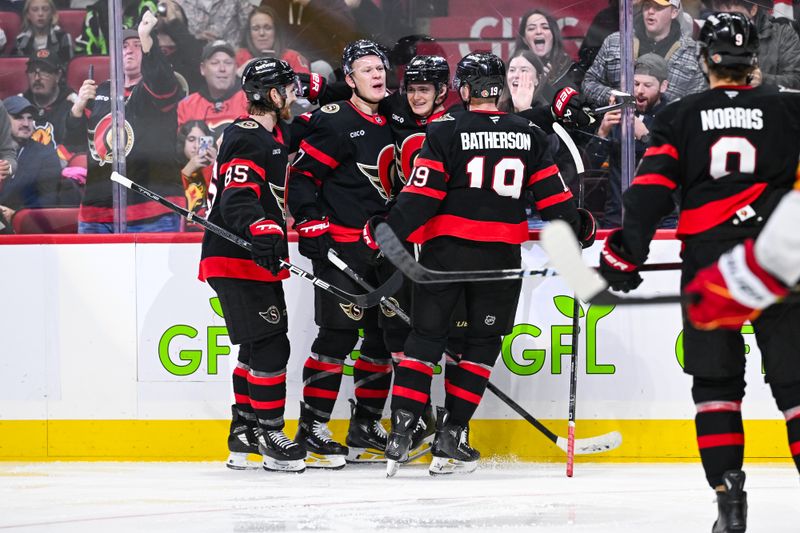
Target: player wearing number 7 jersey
[
  {"x": 731, "y": 151},
  {"x": 464, "y": 203}
]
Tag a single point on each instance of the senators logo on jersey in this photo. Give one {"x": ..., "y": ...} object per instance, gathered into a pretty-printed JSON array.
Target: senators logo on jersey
[
  {"x": 100, "y": 140},
  {"x": 407, "y": 154},
  {"x": 381, "y": 176}
]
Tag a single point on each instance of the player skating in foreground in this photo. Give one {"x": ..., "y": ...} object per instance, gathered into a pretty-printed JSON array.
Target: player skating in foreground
[
  {"x": 245, "y": 199},
  {"x": 464, "y": 204},
  {"x": 732, "y": 151}
]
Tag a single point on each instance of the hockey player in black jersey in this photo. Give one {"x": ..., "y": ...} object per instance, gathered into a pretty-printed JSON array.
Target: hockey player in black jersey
[
  {"x": 340, "y": 178},
  {"x": 246, "y": 197},
  {"x": 731, "y": 152},
  {"x": 464, "y": 204}
]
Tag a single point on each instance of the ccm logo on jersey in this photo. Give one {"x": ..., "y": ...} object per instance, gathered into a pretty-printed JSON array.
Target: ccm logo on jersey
[{"x": 359, "y": 133}]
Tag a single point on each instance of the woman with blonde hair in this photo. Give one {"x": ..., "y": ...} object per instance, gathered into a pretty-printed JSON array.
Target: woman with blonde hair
[
  {"x": 262, "y": 37},
  {"x": 40, "y": 31}
]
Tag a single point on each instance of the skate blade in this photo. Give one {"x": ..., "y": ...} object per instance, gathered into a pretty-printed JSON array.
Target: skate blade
[
  {"x": 292, "y": 467},
  {"x": 441, "y": 466},
  {"x": 243, "y": 461},
  {"x": 422, "y": 449},
  {"x": 331, "y": 462},
  {"x": 365, "y": 455},
  {"x": 392, "y": 467}
]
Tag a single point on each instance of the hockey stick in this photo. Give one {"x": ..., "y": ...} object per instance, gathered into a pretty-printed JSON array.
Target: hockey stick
[
  {"x": 393, "y": 249},
  {"x": 370, "y": 299},
  {"x": 599, "y": 444},
  {"x": 559, "y": 242},
  {"x": 576, "y": 307}
]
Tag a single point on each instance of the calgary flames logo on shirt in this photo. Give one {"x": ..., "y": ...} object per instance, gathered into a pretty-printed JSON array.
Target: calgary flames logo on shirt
[
  {"x": 43, "y": 133},
  {"x": 408, "y": 154},
  {"x": 380, "y": 175},
  {"x": 100, "y": 140}
]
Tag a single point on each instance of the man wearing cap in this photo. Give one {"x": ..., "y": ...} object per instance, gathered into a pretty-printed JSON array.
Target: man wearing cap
[
  {"x": 221, "y": 100},
  {"x": 778, "y": 43},
  {"x": 37, "y": 180},
  {"x": 52, "y": 100},
  {"x": 649, "y": 86},
  {"x": 656, "y": 30},
  {"x": 152, "y": 94}
]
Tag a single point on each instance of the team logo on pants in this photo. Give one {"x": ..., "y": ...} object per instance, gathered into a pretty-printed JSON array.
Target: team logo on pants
[
  {"x": 271, "y": 315},
  {"x": 490, "y": 320},
  {"x": 352, "y": 311},
  {"x": 387, "y": 312}
]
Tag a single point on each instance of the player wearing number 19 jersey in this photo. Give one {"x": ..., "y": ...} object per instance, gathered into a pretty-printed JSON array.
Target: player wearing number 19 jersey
[
  {"x": 464, "y": 204},
  {"x": 731, "y": 152}
]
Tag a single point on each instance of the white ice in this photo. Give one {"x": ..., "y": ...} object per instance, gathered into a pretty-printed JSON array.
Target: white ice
[{"x": 206, "y": 497}]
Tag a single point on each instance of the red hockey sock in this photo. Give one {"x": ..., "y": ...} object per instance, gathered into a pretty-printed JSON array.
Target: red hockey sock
[
  {"x": 322, "y": 376},
  {"x": 465, "y": 385},
  {"x": 412, "y": 385},
  {"x": 372, "y": 377},
  {"x": 268, "y": 396},
  {"x": 793, "y": 430},
  {"x": 720, "y": 437}
]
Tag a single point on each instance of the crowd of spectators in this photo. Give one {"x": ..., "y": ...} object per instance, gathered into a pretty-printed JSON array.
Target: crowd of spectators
[{"x": 207, "y": 43}]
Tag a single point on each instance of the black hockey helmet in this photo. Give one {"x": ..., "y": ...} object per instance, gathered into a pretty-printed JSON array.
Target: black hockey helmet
[
  {"x": 728, "y": 39},
  {"x": 359, "y": 49},
  {"x": 427, "y": 69},
  {"x": 264, "y": 73},
  {"x": 484, "y": 72},
  {"x": 406, "y": 48}
]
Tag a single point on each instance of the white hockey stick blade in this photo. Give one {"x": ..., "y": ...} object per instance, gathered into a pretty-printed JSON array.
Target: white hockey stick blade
[
  {"x": 564, "y": 251},
  {"x": 599, "y": 444}
]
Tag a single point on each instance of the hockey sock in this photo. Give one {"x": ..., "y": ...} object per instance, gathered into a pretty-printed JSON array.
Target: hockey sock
[
  {"x": 372, "y": 377},
  {"x": 465, "y": 384},
  {"x": 266, "y": 380},
  {"x": 322, "y": 372},
  {"x": 412, "y": 385},
  {"x": 241, "y": 393},
  {"x": 793, "y": 429}
]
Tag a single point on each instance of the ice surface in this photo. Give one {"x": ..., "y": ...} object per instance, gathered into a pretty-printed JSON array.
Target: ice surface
[{"x": 207, "y": 497}]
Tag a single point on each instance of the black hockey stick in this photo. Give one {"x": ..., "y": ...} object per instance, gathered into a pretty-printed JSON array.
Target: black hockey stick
[
  {"x": 396, "y": 252},
  {"x": 370, "y": 299},
  {"x": 599, "y": 444},
  {"x": 559, "y": 242}
]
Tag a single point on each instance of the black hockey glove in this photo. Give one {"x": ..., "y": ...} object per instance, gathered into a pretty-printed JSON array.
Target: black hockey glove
[
  {"x": 314, "y": 241},
  {"x": 269, "y": 244},
  {"x": 368, "y": 236},
  {"x": 313, "y": 86},
  {"x": 617, "y": 266},
  {"x": 570, "y": 109},
  {"x": 588, "y": 228}
]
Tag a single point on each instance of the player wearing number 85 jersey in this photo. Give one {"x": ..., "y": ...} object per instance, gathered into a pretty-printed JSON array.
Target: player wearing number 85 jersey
[
  {"x": 731, "y": 152},
  {"x": 464, "y": 204}
]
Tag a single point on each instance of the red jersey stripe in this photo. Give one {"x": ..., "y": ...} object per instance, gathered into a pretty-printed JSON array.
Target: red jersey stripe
[
  {"x": 430, "y": 163},
  {"x": 720, "y": 439},
  {"x": 247, "y": 185},
  {"x": 553, "y": 200},
  {"x": 133, "y": 212},
  {"x": 319, "y": 155},
  {"x": 545, "y": 173},
  {"x": 664, "y": 149},
  {"x": 700, "y": 219},
  {"x": 246, "y": 162},
  {"x": 471, "y": 230},
  {"x": 425, "y": 191},
  {"x": 344, "y": 234},
  {"x": 229, "y": 267},
  {"x": 655, "y": 179},
  {"x": 411, "y": 394}
]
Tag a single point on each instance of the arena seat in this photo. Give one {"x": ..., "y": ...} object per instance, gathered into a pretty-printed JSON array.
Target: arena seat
[
  {"x": 71, "y": 21},
  {"x": 78, "y": 69},
  {"x": 13, "y": 79},
  {"x": 46, "y": 220},
  {"x": 11, "y": 24}
]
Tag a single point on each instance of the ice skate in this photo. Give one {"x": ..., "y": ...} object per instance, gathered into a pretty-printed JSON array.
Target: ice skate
[
  {"x": 399, "y": 442},
  {"x": 366, "y": 439},
  {"x": 422, "y": 438},
  {"x": 321, "y": 450},
  {"x": 243, "y": 441},
  {"x": 451, "y": 451},
  {"x": 280, "y": 453},
  {"x": 732, "y": 504}
]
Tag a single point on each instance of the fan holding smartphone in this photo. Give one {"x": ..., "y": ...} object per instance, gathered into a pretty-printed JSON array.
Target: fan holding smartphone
[{"x": 197, "y": 151}]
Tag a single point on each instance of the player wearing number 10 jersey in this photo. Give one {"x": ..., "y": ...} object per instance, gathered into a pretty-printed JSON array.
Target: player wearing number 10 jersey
[
  {"x": 732, "y": 152},
  {"x": 464, "y": 204}
]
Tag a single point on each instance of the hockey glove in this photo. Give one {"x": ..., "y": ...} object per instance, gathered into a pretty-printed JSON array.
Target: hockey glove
[
  {"x": 368, "y": 236},
  {"x": 314, "y": 241},
  {"x": 588, "y": 228},
  {"x": 617, "y": 266},
  {"x": 732, "y": 291},
  {"x": 269, "y": 244},
  {"x": 313, "y": 86},
  {"x": 570, "y": 110}
]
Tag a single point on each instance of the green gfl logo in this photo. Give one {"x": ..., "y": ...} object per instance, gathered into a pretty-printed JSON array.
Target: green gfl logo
[{"x": 191, "y": 359}]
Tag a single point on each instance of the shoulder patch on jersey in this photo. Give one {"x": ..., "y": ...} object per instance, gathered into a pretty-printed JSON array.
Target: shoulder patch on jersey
[
  {"x": 445, "y": 118},
  {"x": 330, "y": 108},
  {"x": 783, "y": 89},
  {"x": 248, "y": 124}
]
